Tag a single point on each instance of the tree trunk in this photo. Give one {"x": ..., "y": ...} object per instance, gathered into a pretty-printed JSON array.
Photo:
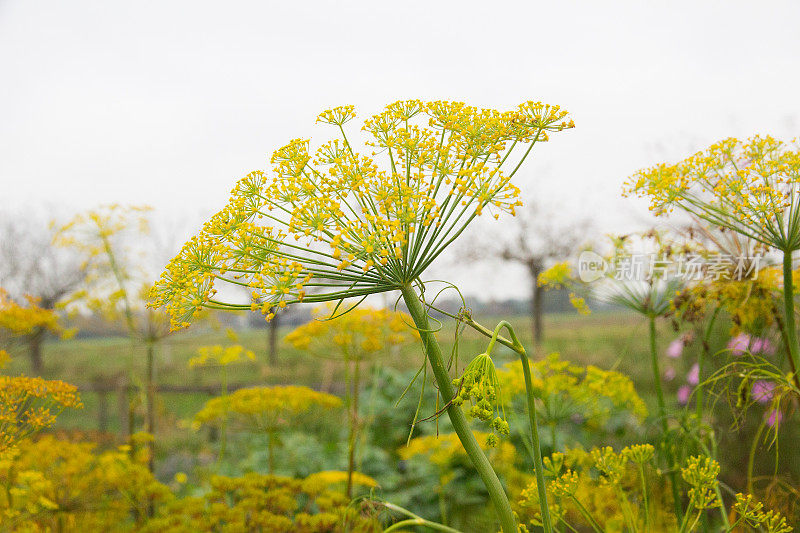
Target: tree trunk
[
  {"x": 536, "y": 306},
  {"x": 35, "y": 341}
]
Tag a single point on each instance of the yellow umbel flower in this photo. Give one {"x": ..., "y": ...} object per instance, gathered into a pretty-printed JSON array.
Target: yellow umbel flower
[
  {"x": 442, "y": 450},
  {"x": 217, "y": 355},
  {"x": 749, "y": 186},
  {"x": 335, "y": 480},
  {"x": 357, "y": 335},
  {"x": 348, "y": 225},
  {"x": 28, "y": 405},
  {"x": 267, "y": 408},
  {"x": 18, "y": 320}
]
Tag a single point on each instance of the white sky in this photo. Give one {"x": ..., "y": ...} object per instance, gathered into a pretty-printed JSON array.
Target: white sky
[{"x": 168, "y": 103}]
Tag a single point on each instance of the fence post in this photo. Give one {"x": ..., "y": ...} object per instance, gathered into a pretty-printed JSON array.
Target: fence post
[{"x": 102, "y": 404}]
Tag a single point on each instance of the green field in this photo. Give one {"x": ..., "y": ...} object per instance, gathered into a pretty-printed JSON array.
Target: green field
[{"x": 610, "y": 340}]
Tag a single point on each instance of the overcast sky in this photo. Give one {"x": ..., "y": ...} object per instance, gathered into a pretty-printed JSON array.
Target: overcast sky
[{"x": 168, "y": 103}]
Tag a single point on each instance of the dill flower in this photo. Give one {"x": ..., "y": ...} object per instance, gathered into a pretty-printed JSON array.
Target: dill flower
[
  {"x": 442, "y": 450},
  {"x": 566, "y": 389},
  {"x": 749, "y": 186},
  {"x": 331, "y": 223},
  {"x": 480, "y": 386},
  {"x": 751, "y": 512},
  {"x": 18, "y": 321},
  {"x": 701, "y": 475},
  {"x": 258, "y": 502},
  {"x": 357, "y": 335},
  {"x": 217, "y": 355},
  {"x": 28, "y": 405},
  {"x": 267, "y": 408},
  {"x": 335, "y": 479},
  {"x": 55, "y": 484}
]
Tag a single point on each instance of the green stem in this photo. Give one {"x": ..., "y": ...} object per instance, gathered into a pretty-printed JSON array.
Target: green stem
[
  {"x": 537, "y": 449},
  {"x": 351, "y": 452},
  {"x": 788, "y": 303},
  {"x": 413, "y": 520},
  {"x": 700, "y": 363},
  {"x": 752, "y": 456},
  {"x": 662, "y": 415},
  {"x": 399, "y": 526},
  {"x": 270, "y": 452},
  {"x": 457, "y": 417},
  {"x": 150, "y": 408},
  {"x": 587, "y": 515},
  {"x": 515, "y": 345},
  {"x": 644, "y": 497}
]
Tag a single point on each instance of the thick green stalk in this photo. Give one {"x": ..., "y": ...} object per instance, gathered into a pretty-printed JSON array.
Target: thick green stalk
[
  {"x": 788, "y": 305},
  {"x": 662, "y": 415},
  {"x": 457, "y": 417}
]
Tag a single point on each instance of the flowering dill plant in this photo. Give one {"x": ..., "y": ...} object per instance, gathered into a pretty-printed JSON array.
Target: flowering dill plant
[
  {"x": 258, "y": 502},
  {"x": 59, "y": 485},
  {"x": 267, "y": 409},
  {"x": 568, "y": 391},
  {"x": 649, "y": 292},
  {"x": 18, "y": 321},
  {"x": 602, "y": 490},
  {"x": 222, "y": 357},
  {"x": 751, "y": 187},
  {"x": 340, "y": 222},
  {"x": 331, "y": 223},
  {"x": 358, "y": 337},
  {"x": 30, "y": 404}
]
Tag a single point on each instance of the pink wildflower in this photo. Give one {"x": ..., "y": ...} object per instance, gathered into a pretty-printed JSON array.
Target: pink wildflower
[{"x": 683, "y": 394}]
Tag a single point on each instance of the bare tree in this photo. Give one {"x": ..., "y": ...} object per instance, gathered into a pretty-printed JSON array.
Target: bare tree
[
  {"x": 535, "y": 239},
  {"x": 31, "y": 265}
]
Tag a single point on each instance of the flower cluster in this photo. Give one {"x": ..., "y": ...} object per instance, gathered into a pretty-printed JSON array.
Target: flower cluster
[
  {"x": 54, "y": 485},
  {"x": 335, "y": 480},
  {"x": 358, "y": 334},
  {"x": 332, "y": 223},
  {"x": 218, "y": 355},
  {"x": 751, "y": 512},
  {"x": 258, "y": 502},
  {"x": 28, "y": 405},
  {"x": 480, "y": 386},
  {"x": 21, "y": 320},
  {"x": 568, "y": 391},
  {"x": 614, "y": 491},
  {"x": 443, "y": 450},
  {"x": 749, "y": 186},
  {"x": 701, "y": 475},
  {"x": 266, "y": 408}
]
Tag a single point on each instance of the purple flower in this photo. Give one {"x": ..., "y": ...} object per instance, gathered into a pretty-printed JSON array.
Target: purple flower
[
  {"x": 669, "y": 374},
  {"x": 762, "y": 346},
  {"x": 683, "y": 394},
  {"x": 693, "y": 377},
  {"x": 775, "y": 418},
  {"x": 762, "y": 391},
  {"x": 739, "y": 344},
  {"x": 675, "y": 348}
]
